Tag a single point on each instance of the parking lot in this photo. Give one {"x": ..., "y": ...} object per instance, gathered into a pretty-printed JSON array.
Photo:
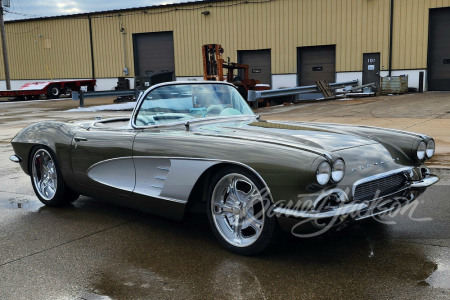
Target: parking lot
[{"x": 96, "y": 250}]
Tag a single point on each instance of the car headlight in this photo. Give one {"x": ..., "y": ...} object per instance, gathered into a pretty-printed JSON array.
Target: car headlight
[
  {"x": 421, "y": 150},
  {"x": 430, "y": 148},
  {"x": 338, "y": 170},
  {"x": 323, "y": 174}
]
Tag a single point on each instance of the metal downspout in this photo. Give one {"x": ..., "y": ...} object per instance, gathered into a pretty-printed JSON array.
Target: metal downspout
[
  {"x": 391, "y": 31},
  {"x": 92, "y": 47}
]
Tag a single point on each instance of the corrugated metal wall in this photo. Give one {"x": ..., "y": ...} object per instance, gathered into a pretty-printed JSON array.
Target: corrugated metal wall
[
  {"x": 354, "y": 26},
  {"x": 48, "y": 49}
]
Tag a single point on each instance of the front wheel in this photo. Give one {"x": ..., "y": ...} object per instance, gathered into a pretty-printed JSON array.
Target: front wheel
[
  {"x": 47, "y": 180},
  {"x": 237, "y": 212}
]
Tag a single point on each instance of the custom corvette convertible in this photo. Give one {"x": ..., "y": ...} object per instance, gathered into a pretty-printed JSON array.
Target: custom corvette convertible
[{"x": 198, "y": 147}]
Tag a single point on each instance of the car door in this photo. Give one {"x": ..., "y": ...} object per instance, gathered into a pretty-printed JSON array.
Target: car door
[{"x": 103, "y": 159}]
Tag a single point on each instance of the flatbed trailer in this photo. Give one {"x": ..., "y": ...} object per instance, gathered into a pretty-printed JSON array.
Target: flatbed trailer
[{"x": 50, "y": 89}]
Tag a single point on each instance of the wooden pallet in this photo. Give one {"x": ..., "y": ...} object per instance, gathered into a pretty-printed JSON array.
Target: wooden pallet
[{"x": 325, "y": 89}]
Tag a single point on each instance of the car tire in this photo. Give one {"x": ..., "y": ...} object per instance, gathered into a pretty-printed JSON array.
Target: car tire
[
  {"x": 237, "y": 208},
  {"x": 47, "y": 180},
  {"x": 53, "y": 91}
]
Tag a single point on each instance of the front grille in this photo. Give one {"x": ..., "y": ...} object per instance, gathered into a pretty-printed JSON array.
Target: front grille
[{"x": 379, "y": 187}]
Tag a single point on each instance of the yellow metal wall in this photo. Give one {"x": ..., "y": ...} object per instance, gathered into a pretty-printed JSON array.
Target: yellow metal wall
[
  {"x": 354, "y": 26},
  {"x": 67, "y": 57}
]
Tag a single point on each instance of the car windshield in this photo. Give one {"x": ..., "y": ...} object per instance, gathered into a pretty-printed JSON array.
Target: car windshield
[{"x": 182, "y": 102}]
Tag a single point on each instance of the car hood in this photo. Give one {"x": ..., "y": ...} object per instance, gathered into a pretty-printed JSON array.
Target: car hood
[{"x": 290, "y": 134}]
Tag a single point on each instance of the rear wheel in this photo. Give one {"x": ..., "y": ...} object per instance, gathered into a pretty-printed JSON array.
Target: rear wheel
[
  {"x": 237, "y": 212},
  {"x": 47, "y": 180},
  {"x": 67, "y": 91},
  {"x": 53, "y": 91}
]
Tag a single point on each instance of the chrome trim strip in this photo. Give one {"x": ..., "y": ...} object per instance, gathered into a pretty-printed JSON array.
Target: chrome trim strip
[
  {"x": 164, "y": 198},
  {"x": 159, "y": 167},
  {"x": 345, "y": 209},
  {"x": 15, "y": 158},
  {"x": 378, "y": 176},
  {"x": 426, "y": 182},
  {"x": 156, "y": 187}
]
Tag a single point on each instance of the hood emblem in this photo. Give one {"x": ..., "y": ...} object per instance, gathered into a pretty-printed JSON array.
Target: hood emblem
[{"x": 375, "y": 164}]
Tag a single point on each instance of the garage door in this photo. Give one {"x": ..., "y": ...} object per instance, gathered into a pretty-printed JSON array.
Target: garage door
[
  {"x": 259, "y": 64},
  {"x": 316, "y": 63},
  {"x": 438, "y": 50},
  {"x": 153, "y": 53}
]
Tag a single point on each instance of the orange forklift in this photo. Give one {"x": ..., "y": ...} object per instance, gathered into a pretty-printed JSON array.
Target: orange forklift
[{"x": 214, "y": 65}]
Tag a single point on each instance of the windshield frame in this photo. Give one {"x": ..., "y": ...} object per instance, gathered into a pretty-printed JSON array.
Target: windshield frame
[{"x": 143, "y": 96}]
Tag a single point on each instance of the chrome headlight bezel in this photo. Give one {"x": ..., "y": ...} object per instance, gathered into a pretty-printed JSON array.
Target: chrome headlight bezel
[
  {"x": 430, "y": 149},
  {"x": 323, "y": 173},
  {"x": 421, "y": 149},
  {"x": 338, "y": 170}
]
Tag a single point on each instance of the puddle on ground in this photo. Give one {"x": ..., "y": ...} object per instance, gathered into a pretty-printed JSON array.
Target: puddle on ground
[
  {"x": 176, "y": 263},
  {"x": 440, "y": 278},
  {"x": 27, "y": 204}
]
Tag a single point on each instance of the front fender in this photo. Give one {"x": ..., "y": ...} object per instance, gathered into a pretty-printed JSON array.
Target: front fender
[{"x": 56, "y": 136}]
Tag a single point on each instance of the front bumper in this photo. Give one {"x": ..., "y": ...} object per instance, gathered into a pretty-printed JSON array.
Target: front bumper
[{"x": 358, "y": 211}]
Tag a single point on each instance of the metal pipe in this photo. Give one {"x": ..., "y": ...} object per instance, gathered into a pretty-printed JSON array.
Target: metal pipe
[
  {"x": 391, "y": 32},
  {"x": 255, "y": 95}
]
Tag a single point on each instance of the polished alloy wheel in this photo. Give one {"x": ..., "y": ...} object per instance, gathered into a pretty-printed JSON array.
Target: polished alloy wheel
[
  {"x": 44, "y": 174},
  {"x": 238, "y": 210}
]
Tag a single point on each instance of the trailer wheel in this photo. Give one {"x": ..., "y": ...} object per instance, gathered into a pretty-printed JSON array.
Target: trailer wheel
[
  {"x": 67, "y": 91},
  {"x": 53, "y": 91}
]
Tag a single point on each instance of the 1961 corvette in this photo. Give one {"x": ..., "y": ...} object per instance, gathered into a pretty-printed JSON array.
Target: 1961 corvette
[{"x": 192, "y": 146}]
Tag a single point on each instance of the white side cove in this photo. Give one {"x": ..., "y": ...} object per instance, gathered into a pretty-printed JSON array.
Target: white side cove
[{"x": 164, "y": 178}]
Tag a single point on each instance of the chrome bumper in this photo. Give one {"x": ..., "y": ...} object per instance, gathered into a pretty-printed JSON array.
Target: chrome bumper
[
  {"x": 426, "y": 182},
  {"x": 15, "y": 158},
  {"x": 353, "y": 208}
]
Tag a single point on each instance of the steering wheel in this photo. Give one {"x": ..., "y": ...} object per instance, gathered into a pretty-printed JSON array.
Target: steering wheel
[
  {"x": 145, "y": 120},
  {"x": 214, "y": 109},
  {"x": 230, "y": 112}
]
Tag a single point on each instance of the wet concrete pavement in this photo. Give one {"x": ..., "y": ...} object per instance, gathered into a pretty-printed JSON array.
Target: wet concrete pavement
[{"x": 96, "y": 250}]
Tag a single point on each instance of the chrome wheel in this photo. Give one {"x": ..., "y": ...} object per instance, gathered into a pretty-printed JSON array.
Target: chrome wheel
[
  {"x": 237, "y": 209},
  {"x": 44, "y": 174}
]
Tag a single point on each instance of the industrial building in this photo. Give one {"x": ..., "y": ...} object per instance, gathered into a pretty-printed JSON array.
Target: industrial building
[{"x": 286, "y": 42}]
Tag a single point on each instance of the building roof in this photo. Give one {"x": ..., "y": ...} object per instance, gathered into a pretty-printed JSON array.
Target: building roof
[{"x": 123, "y": 10}]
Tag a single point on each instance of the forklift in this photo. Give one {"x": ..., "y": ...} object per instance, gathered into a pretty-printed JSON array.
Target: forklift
[{"x": 214, "y": 65}]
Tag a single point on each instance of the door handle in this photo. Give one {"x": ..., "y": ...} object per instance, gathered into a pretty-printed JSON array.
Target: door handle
[{"x": 80, "y": 139}]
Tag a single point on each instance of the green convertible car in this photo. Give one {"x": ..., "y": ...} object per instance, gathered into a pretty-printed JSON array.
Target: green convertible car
[{"x": 197, "y": 146}]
